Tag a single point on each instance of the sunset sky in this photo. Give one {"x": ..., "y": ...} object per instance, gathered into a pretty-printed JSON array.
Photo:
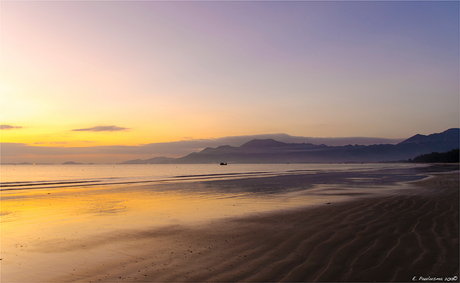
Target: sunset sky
[{"x": 95, "y": 74}]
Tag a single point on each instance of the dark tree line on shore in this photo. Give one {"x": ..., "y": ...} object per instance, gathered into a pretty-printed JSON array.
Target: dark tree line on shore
[{"x": 436, "y": 157}]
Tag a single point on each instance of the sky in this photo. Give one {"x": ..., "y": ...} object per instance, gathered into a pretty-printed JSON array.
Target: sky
[{"x": 81, "y": 76}]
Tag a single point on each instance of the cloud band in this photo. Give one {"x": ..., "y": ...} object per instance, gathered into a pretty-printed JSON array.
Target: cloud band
[
  {"x": 102, "y": 129},
  {"x": 9, "y": 127}
]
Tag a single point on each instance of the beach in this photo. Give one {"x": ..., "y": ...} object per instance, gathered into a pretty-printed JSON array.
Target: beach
[
  {"x": 229, "y": 141},
  {"x": 407, "y": 232}
]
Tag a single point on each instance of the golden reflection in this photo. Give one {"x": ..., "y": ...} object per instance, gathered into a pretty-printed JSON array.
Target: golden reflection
[{"x": 45, "y": 231}]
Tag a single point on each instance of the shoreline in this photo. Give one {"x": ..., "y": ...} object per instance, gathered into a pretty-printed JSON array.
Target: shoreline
[
  {"x": 81, "y": 182},
  {"x": 384, "y": 238}
]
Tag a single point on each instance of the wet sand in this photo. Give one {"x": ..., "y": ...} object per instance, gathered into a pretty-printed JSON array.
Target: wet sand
[{"x": 405, "y": 236}]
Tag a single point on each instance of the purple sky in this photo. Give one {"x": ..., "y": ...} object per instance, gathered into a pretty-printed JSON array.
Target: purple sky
[{"x": 159, "y": 72}]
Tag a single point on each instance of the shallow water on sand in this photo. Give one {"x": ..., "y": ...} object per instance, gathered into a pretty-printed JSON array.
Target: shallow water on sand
[
  {"x": 19, "y": 177},
  {"x": 46, "y": 228}
]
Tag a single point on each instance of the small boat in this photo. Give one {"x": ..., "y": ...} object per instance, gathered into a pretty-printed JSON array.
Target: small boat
[{"x": 223, "y": 163}]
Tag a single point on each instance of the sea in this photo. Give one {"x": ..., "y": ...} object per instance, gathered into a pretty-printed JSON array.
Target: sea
[{"x": 26, "y": 177}]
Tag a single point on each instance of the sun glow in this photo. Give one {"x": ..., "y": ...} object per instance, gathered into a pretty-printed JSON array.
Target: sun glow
[{"x": 160, "y": 72}]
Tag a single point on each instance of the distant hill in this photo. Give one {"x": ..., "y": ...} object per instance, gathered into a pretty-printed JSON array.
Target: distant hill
[
  {"x": 446, "y": 140},
  {"x": 155, "y": 160},
  {"x": 263, "y": 143},
  {"x": 451, "y": 156},
  {"x": 272, "y": 151}
]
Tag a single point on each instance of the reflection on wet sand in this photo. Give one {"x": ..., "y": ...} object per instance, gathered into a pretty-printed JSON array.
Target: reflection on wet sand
[{"x": 78, "y": 232}]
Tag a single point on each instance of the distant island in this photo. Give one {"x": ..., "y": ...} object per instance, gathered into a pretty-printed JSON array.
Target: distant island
[
  {"x": 272, "y": 151},
  {"x": 70, "y": 163}
]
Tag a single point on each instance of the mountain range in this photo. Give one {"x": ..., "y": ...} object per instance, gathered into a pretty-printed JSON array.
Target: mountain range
[{"x": 272, "y": 151}]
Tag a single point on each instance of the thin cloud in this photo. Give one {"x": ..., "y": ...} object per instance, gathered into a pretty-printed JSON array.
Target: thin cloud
[
  {"x": 9, "y": 127},
  {"x": 102, "y": 129}
]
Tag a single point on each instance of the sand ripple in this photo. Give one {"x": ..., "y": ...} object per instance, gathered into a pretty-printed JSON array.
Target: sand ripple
[{"x": 391, "y": 238}]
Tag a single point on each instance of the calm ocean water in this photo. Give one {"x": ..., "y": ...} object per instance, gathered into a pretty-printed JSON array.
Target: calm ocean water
[{"x": 21, "y": 177}]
